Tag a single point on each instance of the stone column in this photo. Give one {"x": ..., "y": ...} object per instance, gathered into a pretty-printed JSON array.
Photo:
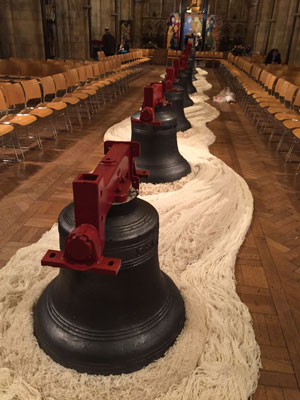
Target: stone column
[
  {"x": 263, "y": 25},
  {"x": 295, "y": 49},
  {"x": 282, "y": 27},
  {"x": 6, "y": 31},
  {"x": 63, "y": 29},
  {"x": 251, "y": 21},
  {"x": 138, "y": 22},
  {"x": 72, "y": 26}
]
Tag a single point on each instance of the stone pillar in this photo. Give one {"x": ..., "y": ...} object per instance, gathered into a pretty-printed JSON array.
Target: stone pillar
[
  {"x": 96, "y": 20},
  {"x": 263, "y": 26},
  {"x": 138, "y": 22},
  {"x": 63, "y": 29},
  {"x": 294, "y": 58},
  {"x": 282, "y": 27},
  {"x": 72, "y": 26},
  {"x": 6, "y": 31},
  {"x": 251, "y": 21}
]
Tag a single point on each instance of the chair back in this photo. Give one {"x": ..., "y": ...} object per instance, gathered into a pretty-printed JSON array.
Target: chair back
[
  {"x": 71, "y": 78},
  {"x": 3, "y": 105},
  {"x": 48, "y": 85},
  {"x": 296, "y": 103},
  {"x": 89, "y": 71},
  {"x": 59, "y": 81},
  {"x": 81, "y": 74},
  {"x": 290, "y": 93},
  {"x": 31, "y": 89},
  {"x": 14, "y": 94}
]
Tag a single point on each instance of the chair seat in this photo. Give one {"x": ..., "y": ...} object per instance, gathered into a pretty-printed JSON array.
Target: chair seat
[
  {"x": 105, "y": 81},
  {"x": 57, "y": 106},
  {"x": 252, "y": 91},
  {"x": 266, "y": 99},
  {"x": 296, "y": 132},
  {"x": 280, "y": 109},
  {"x": 112, "y": 79},
  {"x": 41, "y": 112},
  {"x": 19, "y": 119},
  {"x": 268, "y": 104},
  {"x": 291, "y": 124},
  {"x": 118, "y": 76},
  {"x": 91, "y": 86},
  {"x": 88, "y": 91},
  {"x": 5, "y": 128},
  {"x": 99, "y": 84},
  {"x": 260, "y": 94},
  {"x": 80, "y": 95},
  {"x": 67, "y": 99},
  {"x": 284, "y": 116}
]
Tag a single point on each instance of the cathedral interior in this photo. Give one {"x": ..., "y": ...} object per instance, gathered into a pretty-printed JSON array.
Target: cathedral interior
[
  {"x": 149, "y": 199},
  {"x": 66, "y": 29}
]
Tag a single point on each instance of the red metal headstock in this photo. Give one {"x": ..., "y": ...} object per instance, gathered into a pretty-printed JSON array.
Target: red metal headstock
[
  {"x": 176, "y": 66},
  {"x": 183, "y": 61},
  {"x": 169, "y": 79},
  {"x": 188, "y": 49},
  {"x": 94, "y": 193},
  {"x": 153, "y": 96}
]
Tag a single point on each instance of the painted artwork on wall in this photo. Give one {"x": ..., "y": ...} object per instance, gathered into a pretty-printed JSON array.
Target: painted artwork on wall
[
  {"x": 126, "y": 31},
  {"x": 173, "y": 32},
  {"x": 193, "y": 27},
  {"x": 213, "y": 32}
]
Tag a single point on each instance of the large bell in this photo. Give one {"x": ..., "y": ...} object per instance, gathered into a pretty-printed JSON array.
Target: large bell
[
  {"x": 175, "y": 96},
  {"x": 182, "y": 81},
  {"x": 155, "y": 129},
  {"x": 187, "y": 61},
  {"x": 190, "y": 71},
  {"x": 105, "y": 324}
]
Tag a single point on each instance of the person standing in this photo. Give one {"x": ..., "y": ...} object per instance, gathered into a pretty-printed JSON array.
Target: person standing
[{"x": 109, "y": 43}]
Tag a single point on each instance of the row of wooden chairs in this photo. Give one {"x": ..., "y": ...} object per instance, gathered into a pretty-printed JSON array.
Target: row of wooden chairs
[
  {"x": 31, "y": 108},
  {"x": 30, "y": 67},
  {"x": 272, "y": 101},
  {"x": 134, "y": 56},
  {"x": 145, "y": 52},
  {"x": 209, "y": 55},
  {"x": 289, "y": 72}
]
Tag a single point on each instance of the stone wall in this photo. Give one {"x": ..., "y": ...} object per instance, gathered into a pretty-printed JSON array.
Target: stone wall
[
  {"x": 265, "y": 23},
  {"x": 21, "y": 29},
  {"x": 277, "y": 26},
  {"x": 72, "y": 26},
  {"x": 234, "y": 14}
]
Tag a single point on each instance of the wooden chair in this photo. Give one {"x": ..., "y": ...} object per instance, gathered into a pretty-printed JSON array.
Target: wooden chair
[
  {"x": 8, "y": 136},
  {"x": 101, "y": 55},
  {"x": 49, "y": 100},
  {"x": 85, "y": 83},
  {"x": 286, "y": 119},
  {"x": 21, "y": 118},
  {"x": 73, "y": 88},
  {"x": 62, "y": 95},
  {"x": 33, "y": 105}
]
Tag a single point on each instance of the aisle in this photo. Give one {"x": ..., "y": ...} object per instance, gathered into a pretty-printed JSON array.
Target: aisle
[{"x": 268, "y": 264}]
